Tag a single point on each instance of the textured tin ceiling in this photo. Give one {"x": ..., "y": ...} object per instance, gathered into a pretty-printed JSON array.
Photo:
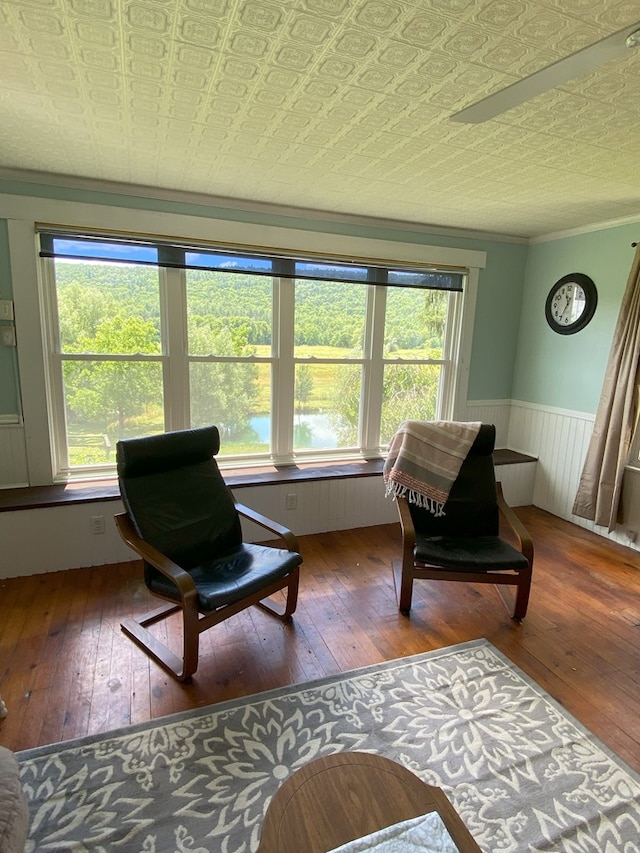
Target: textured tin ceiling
[{"x": 334, "y": 105}]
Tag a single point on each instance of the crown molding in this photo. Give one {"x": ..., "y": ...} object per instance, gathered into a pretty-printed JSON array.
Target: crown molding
[{"x": 587, "y": 229}]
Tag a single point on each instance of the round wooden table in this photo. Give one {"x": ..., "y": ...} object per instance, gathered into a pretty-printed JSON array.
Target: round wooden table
[{"x": 341, "y": 797}]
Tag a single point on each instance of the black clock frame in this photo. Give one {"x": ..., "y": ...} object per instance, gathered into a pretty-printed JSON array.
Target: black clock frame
[{"x": 590, "y": 303}]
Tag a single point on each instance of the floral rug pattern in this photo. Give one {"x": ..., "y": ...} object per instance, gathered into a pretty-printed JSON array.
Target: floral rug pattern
[{"x": 522, "y": 773}]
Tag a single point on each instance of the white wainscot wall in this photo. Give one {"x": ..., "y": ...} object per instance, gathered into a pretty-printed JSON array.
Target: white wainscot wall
[
  {"x": 560, "y": 440},
  {"x": 56, "y": 538},
  {"x": 321, "y": 505},
  {"x": 518, "y": 479}
]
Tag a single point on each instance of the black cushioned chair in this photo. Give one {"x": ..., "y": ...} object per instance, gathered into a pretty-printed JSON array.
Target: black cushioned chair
[
  {"x": 182, "y": 520},
  {"x": 465, "y": 543}
]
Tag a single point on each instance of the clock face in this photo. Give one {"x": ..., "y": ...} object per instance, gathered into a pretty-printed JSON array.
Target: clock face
[
  {"x": 568, "y": 304},
  {"x": 571, "y": 303}
]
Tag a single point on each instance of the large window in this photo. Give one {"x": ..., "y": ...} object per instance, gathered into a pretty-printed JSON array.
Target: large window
[{"x": 292, "y": 358}]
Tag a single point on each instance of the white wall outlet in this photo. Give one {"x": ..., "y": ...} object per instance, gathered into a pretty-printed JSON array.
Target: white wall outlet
[
  {"x": 97, "y": 524},
  {"x": 8, "y": 336},
  {"x": 292, "y": 501},
  {"x": 6, "y": 309}
]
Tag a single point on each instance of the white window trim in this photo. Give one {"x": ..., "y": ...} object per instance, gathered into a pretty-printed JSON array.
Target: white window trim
[{"x": 24, "y": 213}]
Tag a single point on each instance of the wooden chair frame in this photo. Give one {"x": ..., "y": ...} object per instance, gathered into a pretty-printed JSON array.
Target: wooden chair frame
[
  {"x": 408, "y": 569},
  {"x": 193, "y": 622}
]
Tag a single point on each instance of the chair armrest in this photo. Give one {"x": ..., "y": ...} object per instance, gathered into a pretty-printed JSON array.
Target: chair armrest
[
  {"x": 408, "y": 531},
  {"x": 522, "y": 534},
  {"x": 171, "y": 570},
  {"x": 287, "y": 535}
]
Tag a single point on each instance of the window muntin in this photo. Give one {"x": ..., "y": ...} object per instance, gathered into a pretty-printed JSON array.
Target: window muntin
[{"x": 312, "y": 375}]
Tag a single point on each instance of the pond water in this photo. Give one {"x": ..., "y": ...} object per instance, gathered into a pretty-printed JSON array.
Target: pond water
[{"x": 310, "y": 431}]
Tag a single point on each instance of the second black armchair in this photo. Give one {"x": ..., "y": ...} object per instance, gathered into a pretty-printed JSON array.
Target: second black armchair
[{"x": 464, "y": 542}]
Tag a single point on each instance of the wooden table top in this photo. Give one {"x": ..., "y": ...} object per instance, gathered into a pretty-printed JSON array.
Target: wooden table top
[{"x": 338, "y": 798}]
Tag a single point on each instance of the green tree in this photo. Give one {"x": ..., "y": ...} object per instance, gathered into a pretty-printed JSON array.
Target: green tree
[
  {"x": 410, "y": 392},
  {"x": 81, "y": 310},
  {"x": 222, "y": 393},
  {"x": 110, "y": 392},
  {"x": 304, "y": 385}
]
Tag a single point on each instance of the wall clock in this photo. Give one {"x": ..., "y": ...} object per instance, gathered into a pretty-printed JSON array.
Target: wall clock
[{"x": 571, "y": 303}]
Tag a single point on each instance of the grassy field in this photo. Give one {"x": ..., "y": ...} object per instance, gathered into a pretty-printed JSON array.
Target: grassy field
[
  {"x": 323, "y": 387},
  {"x": 323, "y": 378}
]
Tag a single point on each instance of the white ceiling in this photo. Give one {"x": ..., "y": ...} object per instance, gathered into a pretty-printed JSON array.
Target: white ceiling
[{"x": 331, "y": 105}]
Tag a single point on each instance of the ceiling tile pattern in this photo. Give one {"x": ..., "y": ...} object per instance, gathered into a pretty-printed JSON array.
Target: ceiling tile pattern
[{"x": 335, "y": 105}]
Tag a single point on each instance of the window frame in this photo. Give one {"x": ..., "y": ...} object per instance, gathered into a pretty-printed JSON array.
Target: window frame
[
  {"x": 176, "y": 360},
  {"x": 26, "y": 216}
]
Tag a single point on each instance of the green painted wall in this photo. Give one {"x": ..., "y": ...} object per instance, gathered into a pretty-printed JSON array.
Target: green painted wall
[
  {"x": 566, "y": 371},
  {"x": 9, "y": 395},
  {"x": 496, "y": 329},
  {"x": 499, "y": 292}
]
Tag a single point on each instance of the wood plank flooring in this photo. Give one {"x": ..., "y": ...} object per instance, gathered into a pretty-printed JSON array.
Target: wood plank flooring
[{"x": 67, "y": 670}]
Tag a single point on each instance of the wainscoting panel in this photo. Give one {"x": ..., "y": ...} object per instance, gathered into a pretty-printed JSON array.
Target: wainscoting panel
[
  {"x": 321, "y": 505},
  {"x": 517, "y": 480},
  {"x": 559, "y": 439},
  {"x": 495, "y": 412},
  {"x": 36, "y": 541}
]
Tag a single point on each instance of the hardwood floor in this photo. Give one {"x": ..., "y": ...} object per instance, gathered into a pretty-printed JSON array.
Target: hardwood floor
[{"x": 67, "y": 670}]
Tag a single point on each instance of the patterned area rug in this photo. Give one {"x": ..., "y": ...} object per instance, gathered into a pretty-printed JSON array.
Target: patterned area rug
[{"x": 522, "y": 773}]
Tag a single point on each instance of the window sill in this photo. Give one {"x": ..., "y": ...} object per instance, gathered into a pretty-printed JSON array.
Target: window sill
[{"x": 63, "y": 494}]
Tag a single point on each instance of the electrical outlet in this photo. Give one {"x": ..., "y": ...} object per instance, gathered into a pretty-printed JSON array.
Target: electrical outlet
[
  {"x": 97, "y": 524},
  {"x": 6, "y": 309},
  {"x": 8, "y": 336},
  {"x": 292, "y": 501}
]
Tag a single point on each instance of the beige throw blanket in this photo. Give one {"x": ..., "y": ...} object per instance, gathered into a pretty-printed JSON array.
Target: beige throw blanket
[{"x": 424, "y": 460}]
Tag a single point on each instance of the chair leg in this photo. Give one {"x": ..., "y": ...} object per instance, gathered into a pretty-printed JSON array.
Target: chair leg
[
  {"x": 191, "y": 642},
  {"x": 403, "y": 582},
  {"x": 181, "y": 668},
  {"x": 522, "y": 596},
  {"x": 517, "y": 609},
  {"x": 193, "y": 625},
  {"x": 292, "y": 598}
]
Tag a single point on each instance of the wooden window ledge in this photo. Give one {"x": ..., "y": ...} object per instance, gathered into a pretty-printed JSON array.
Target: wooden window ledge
[{"x": 39, "y": 497}]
